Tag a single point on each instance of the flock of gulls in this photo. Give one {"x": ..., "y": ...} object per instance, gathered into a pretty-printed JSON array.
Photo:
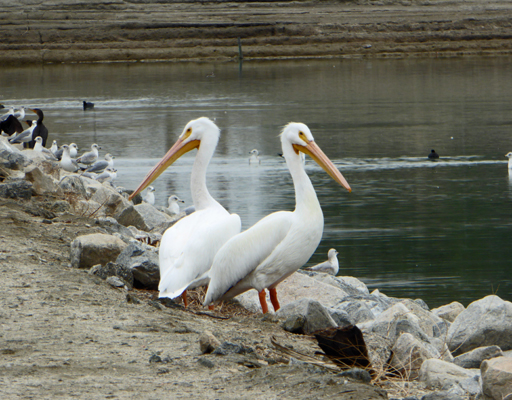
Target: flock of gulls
[{"x": 207, "y": 246}]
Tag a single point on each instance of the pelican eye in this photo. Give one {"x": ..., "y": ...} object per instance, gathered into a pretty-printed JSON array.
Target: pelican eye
[{"x": 302, "y": 135}]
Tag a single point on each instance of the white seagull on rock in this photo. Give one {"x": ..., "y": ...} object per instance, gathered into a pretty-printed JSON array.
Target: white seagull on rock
[{"x": 331, "y": 266}]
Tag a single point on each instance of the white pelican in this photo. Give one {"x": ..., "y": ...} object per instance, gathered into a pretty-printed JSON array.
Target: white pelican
[
  {"x": 254, "y": 158},
  {"x": 509, "y": 155},
  {"x": 187, "y": 248},
  {"x": 150, "y": 196},
  {"x": 174, "y": 207},
  {"x": 331, "y": 266},
  {"x": 279, "y": 244},
  {"x": 89, "y": 157}
]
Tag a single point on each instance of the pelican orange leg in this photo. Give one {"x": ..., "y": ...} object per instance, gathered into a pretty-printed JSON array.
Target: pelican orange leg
[
  {"x": 273, "y": 298},
  {"x": 184, "y": 297},
  {"x": 263, "y": 301}
]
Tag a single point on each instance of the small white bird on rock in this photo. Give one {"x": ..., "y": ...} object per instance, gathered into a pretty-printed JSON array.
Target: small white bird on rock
[
  {"x": 174, "y": 207},
  {"x": 150, "y": 196},
  {"x": 66, "y": 163},
  {"x": 331, "y": 266}
]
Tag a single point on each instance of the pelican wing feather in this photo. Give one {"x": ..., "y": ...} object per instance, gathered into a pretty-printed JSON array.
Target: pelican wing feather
[
  {"x": 247, "y": 252},
  {"x": 188, "y": 247}
]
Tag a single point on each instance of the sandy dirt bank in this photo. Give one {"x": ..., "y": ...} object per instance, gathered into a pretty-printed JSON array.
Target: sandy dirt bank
[{"x": 58, "y": 31}]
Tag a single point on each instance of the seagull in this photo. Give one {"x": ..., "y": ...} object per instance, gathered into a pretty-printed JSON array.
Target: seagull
[
  {"x": 100, "y": 165},
  {"x": 25, "y": 136},
  {"x": 509, "y": 155},
  {"x": 89, "y": 157},
  {"x": 187, "y": 248},
  {"x": 254, "y": 158},
  {"x": 331, "y": 266},
  {"x": 66, "y": 163},
  {"x": 20, "y": 114},
  {"x": 279, "y": 244},
  {"x": 174, "y": 207},
  {"x": 55, "y": 148},
  {"x": 88, "y": 105},
  {"x": 107, "y": 176},
  {"x": 150, "y": 196},
  {"x": 39, "y": 147},
  {"x": 433, "y": 155},
  {"x": 73, "y": 151},
  {"x": 6, "y": 115}
]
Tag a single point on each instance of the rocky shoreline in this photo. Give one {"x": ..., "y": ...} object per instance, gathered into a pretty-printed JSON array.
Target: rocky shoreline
[
  {"x": 70, "y": 31},
  {"x": 81, "y": 316}
]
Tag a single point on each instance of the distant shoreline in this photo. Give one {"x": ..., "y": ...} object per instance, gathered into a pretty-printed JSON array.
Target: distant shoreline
[{"x": 69, "y": 31}]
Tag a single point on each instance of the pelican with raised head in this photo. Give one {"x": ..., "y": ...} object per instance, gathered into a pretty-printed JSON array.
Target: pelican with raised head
[
  {"x": 188, "y": 247},
  {"x": 282, "y": 242}
]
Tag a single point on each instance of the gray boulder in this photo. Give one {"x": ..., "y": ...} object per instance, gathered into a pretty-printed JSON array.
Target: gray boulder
[
  {"x": 357, "y": 310},
  {"x": 131, "y": 217},
  {"x": 296, "y": 287},
  {"x": 97, "y": 248},
  {"x": 112, "y": 269},
  {"x": 441, "y": 374},
  {"x": 208, "y": 342},
  {"x": 315, "y": 317},
  {"x": 142, "y": 260},
  {"x": 449, "y": 312},
  {"x": 409, "y": 353},
  {"x": 485, "y": 322},
  {"x": 340, "y": 317},
  {"x": 152, "y": 217},
  {"x": 41, "y": 182},
  {"x": 13, "y": 159},
  {"x": 405, "y": 316},
  {"x": 19, "y": 189},
  {"x": 474, "y": 358},
  {"x": 497, "y": 378},
  {"x": 72, "y": 185},
  {"x": 350, "y": 285}
]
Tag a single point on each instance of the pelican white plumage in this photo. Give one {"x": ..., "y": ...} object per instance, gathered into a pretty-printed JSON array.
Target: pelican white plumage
[
  {"x": 509, "y": 155},
  {"x": 279, "y": 244},
  {"x": 188, "y": 247},
  {"x": 174, "y": 207},
  {"x": 150, "y": 196},
  {"x": 254, "y": 158},
  {"x": 331, "y": 266}
]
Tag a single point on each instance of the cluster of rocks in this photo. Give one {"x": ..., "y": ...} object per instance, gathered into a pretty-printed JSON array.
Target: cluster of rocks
[{"x": 457, "y": 351}]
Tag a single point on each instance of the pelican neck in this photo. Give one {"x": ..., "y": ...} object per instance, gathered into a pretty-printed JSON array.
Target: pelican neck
[{"x": 201, "y": 197}]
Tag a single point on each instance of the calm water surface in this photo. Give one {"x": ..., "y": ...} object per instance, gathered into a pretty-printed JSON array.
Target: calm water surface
[{"x": 439, "y": 230}]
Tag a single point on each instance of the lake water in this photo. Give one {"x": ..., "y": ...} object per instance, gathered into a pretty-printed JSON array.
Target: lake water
[{"x": 437, "y": 230}]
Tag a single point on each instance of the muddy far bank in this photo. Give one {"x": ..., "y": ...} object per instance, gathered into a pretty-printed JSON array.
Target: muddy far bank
[{"x": 56, "y": 31}]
